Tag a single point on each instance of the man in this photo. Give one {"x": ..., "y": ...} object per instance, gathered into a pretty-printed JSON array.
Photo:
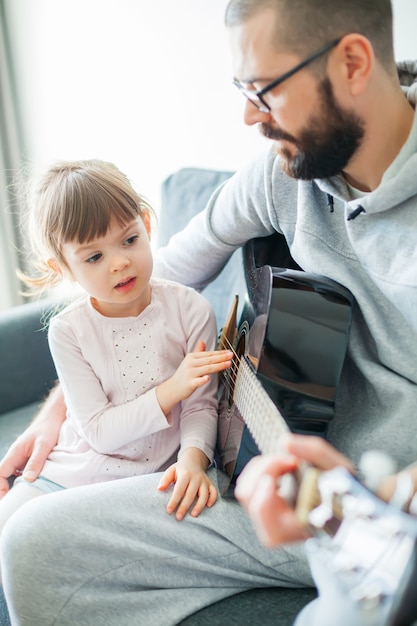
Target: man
[{"x": 321, "y": 82}]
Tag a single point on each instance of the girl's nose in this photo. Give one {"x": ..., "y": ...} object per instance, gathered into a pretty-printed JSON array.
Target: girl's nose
[{"x": 119, "y": 262}]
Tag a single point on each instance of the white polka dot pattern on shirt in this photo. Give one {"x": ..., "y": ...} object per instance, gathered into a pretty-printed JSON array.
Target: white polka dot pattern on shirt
[{"x": 138, "y": 362}]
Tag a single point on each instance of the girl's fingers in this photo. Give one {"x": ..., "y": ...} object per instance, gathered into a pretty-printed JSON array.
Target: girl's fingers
[
  {"x": 187, "y": 501},
  {"x": 213, "y": 494},
  {"x": 194, "y": 495}
]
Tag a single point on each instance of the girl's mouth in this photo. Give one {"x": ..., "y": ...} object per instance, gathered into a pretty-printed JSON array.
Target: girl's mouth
[{"x": 126, "y": 285}]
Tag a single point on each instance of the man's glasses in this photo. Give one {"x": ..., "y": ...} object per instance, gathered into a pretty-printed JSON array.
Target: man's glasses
[{"x": 257, "y": 97}]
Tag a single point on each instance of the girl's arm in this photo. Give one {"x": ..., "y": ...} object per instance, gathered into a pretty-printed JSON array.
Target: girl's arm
[
  {"x": 90, "y": 378},
  {"x": 105, "y": 426},
  {"x": 193, "y": 488}
]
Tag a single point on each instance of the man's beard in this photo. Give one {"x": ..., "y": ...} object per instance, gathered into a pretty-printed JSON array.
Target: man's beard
[{"x": 326, "y": 146}]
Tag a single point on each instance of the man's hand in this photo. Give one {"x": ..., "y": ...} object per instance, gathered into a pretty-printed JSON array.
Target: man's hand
[
  {"x": 193, "y": 488},
  {"x": 27, "y": 455},
  {"x": 273, "y": 517}
]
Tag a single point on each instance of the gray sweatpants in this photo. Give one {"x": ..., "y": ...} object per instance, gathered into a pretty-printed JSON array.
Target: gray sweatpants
[{"x": 109, "y": 554}]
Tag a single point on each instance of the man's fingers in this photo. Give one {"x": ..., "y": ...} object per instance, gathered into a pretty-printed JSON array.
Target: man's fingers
[
  {"x": 317, "y": 452},
  {"x": 12, "y": 462},
  {"x": 274, "y": 519},
  {"x": 4, "y": 487},
  {"x": 272, "y": 465},
  {"x": 36, "y": 461}
]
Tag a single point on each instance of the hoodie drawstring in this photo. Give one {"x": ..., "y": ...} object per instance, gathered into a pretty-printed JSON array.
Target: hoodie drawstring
[
  {"x": 359, "y": 209},
  {"x": 330, "y": 202}
]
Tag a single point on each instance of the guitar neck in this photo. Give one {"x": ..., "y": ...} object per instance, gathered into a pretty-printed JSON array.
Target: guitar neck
[
  {"x": 261, "y": 415},
  {"x": 267, "y": 426}
]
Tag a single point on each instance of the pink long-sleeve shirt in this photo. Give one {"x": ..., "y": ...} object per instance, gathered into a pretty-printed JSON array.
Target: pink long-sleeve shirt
[{"x": 109, "y": 369}]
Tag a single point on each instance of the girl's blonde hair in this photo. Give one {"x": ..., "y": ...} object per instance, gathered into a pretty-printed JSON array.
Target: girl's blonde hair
[{"x": 74, "y": 201}]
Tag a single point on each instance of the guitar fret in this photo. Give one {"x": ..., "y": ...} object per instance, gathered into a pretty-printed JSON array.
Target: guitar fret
[{"x": 261, "y": 415}]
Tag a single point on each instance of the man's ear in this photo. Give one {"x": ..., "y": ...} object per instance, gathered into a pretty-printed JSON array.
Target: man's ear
[
  {"x": 355, "y": 61},
  {"x": 54, "y": 266},
  {"x": 146, "y": 216}
]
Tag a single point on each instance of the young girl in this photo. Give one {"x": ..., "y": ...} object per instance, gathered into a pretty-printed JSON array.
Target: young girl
[{"x": 130, "y": 353}]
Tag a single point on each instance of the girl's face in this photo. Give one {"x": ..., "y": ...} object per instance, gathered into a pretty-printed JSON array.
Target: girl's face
[{"x": 115, "y": 269}]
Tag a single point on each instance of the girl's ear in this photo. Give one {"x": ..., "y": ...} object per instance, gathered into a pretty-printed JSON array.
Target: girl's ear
[
  {"x": 54, "y": 266},
  {"x": 61, "y": 269},
  {"x": 146, "y": 216}
]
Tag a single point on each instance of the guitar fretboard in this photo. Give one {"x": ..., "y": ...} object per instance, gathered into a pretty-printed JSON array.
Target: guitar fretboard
[{"x": 260, "y": 414}]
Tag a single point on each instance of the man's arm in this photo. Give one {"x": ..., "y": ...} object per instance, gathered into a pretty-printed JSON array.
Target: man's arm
[
  {"x": 236, "y": 212},
  {"x": 27, "y": 455}
]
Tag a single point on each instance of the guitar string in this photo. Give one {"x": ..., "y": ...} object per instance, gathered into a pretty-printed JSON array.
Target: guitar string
[
  {"x": 231, "y": 373},
  {"x": 265, "y": 428}
]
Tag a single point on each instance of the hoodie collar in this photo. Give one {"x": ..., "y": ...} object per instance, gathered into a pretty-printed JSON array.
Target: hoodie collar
[{"x": 407, "y": 72}]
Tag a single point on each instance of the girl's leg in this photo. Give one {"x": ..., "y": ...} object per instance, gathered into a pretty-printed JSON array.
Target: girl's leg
[{"x": 123, "y": 560}]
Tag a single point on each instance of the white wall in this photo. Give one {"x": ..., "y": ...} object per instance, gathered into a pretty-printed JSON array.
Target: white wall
[
  {"x": 144, "y": 83},
  {"x": 405, "y": 21}
]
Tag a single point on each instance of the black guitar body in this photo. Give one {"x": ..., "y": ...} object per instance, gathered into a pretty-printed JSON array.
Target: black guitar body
[
  {"x": 290, "y": 346},
  {"x": 294, "y": 329}
]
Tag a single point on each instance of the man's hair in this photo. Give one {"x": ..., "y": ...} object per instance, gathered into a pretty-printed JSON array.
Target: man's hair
[{"x": 302, "y": 26}]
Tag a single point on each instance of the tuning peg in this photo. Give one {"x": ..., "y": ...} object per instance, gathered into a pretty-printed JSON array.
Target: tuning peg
[{"x": 375, "y": 465}]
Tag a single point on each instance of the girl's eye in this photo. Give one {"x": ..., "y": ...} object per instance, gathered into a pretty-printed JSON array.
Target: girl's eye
[
  {"x": 94, "y": 258},
  {"x": 131, "y": 240}
]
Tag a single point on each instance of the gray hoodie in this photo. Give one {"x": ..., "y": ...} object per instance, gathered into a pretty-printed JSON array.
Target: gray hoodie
[{"x": 373, "y": 255}]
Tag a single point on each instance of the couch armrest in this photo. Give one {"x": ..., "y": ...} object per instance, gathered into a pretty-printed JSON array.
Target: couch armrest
[{"x": 27, "y": 371}]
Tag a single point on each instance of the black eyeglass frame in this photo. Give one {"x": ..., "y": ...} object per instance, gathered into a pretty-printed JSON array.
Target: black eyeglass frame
[{"x": 256, "y": 97}]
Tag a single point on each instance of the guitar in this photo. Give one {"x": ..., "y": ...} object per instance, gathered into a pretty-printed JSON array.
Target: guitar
[
  {"x": 290, "y": 345},
  {"x": 281, "y": 381},
  {"x": 369, "y": 545}
]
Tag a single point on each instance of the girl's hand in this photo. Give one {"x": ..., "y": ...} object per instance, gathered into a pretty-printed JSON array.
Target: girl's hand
[
  {"x": 192, "y": 487},
  {"x": 193, "y": 372}
]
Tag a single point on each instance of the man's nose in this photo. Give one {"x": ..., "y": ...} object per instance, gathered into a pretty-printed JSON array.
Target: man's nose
[{"x": 252, "y": 115}]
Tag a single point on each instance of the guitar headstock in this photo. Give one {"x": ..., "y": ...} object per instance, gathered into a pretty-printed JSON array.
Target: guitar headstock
[
  {"x": 228, "y": 332},
  {"x": 366, "y": 542}
]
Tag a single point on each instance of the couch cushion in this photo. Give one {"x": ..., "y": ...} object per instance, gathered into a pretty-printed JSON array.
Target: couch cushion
[
  {"x": 26, "y": 368},
  {"x": 184, "y": 194},
  {"x": 270, "y": 607},
  {"x": 13, "y": 423}
]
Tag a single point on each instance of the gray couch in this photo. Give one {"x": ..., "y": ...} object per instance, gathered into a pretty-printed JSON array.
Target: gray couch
[{"x": 27, "y": 373}]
